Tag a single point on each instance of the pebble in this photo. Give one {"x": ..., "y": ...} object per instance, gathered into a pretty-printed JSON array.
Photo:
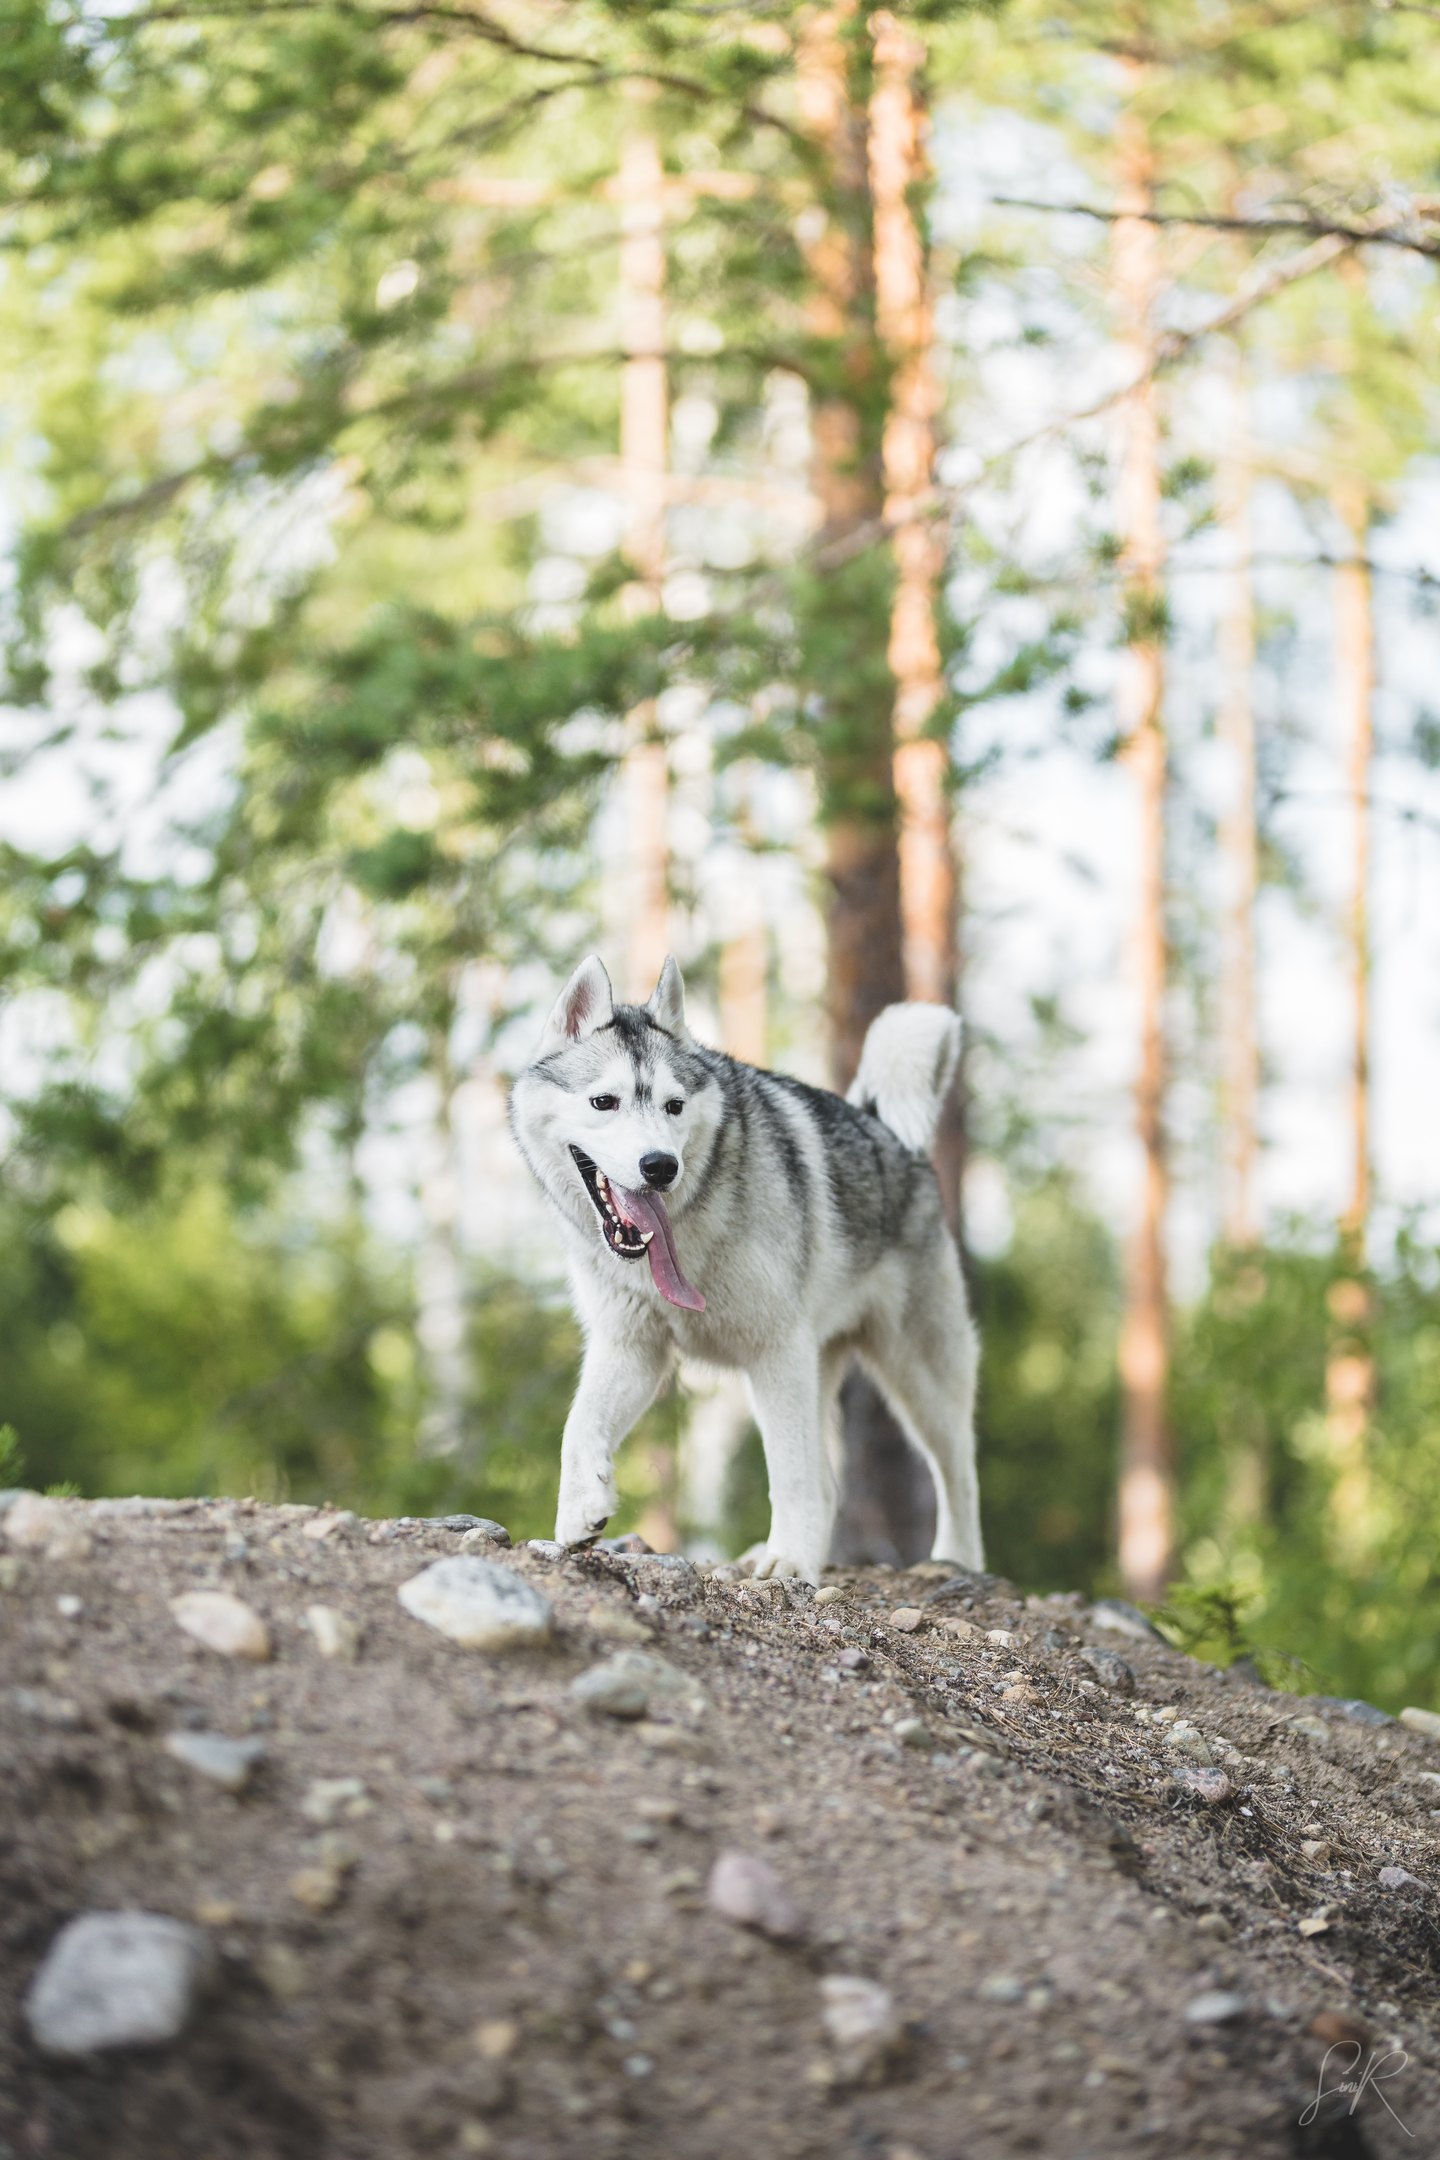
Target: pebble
[
  {"x": 1398, "y": 1878},
  {"x": 1338, "y": 2029},
  {"x": 548, "y": 1548},
  {"x": 1317, "y": 1850},
  {"x": 1003, "y": 1638},
  {"x": 1185, "y": 1740},
  {"x": 1111, "y": 1670},
  {"x": 907, "y": 1618},
  {"x": 962, "y": 1628},
  {"x": 477, "y": 1603},
  {"x": 1311, "y": 1728},
  {"x": 1001, "y": 1988},
  {"x": 318, "y": 1889},
  {"x": 225, "y": 1762},
  {"x": 1217, "y": 2006},
  {"x": 1215, "y": 1925},
  {"x": 746, "y": 1890},
  {"x": 44, "y": 1707},
  {"x": 325, "y": 1525},
  {"x": 223, "y": 1622},
  {"x": 478, "y": 1532},
  {"x": 1123, "y": 1619},
  {"x": 32, "y": 1519},
  {"x": 629, "y": 1542},
  {"x": 853, "y": 1659},
  {"x": 829, "y": 1594},
  {"x": 1424, "y": 1722},
  {"x": 120, "y": 1979},
  {"x": 69, "y": 1607},
  {"x": 1354, "y": 1708},
  {"x": 497, "y": 2038},
  {"x": 336, "y": 1635},
  {"x": 326, "y": 1799},
  {"x": 861, "y": 2024},
  {"x": 631, "y": 1682},
  {"x": 616, "y": 1623},
  {"x": 913, "y": 1732},
  {"x": 1211, "y": 1786}
]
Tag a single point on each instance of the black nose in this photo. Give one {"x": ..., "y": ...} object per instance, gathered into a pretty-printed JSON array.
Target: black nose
[{"x": 658, "y": 1170}]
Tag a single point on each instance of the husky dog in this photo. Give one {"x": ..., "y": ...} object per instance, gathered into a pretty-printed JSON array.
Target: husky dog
[{"x": 738, "y": 1217}]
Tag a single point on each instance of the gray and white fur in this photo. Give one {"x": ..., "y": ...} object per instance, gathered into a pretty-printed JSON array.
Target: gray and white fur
[{"x": 810, "y": 1226}]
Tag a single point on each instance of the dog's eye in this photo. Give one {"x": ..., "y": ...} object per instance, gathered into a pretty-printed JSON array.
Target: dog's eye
[
  {"x": 604, "y": 1102},
  {"x": 674, "y": 1106}
]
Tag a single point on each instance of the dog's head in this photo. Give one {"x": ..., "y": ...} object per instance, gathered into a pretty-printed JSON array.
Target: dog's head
[{"x": 611, "y": 1109}]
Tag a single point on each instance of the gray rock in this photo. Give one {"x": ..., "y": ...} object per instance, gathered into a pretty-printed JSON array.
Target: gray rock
[
  {"x": 1001, "y": 1988},
  {"x": 913, "y": 1732},
  {"x": 494, "y": 1533},
  {"x": 223, "y": 1623},
  {"x": 44, "y": 1707},
  {"x": 326, "y": 1799},
  {"x": 226, "y": 1762},
  {"x": 746, "y": 1890},
  {"x": 336, "y": 1635},
  {"x": 547, "y": 1548},
  {"x": 1111, "y": 1670},
  {"x": 632, "y": 1542},
  {"x": 1184, "y": 1740},
  {"x": 9, "y": 1496},
  {"x": 632, "y": 1682},
  {"x": 112, "y": 1980},
  {"x": 1215, "y": 2007},
  {"x": 1124, "y": 1619},
  {"x": 1311, "y": 1728},
  {"x": 1424, "y": 1722},
  {"x": 861, "y": 2024},
  {"x": 477, "y": 1603},
  {"x": 1399, "y": 1878},
  {"x": 1353, "y": 1708}
]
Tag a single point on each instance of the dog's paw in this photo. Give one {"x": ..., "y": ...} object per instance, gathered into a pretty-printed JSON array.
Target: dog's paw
[
  {"x": 581, "y": 1521},
  {"x": 771, "y": 1566}
]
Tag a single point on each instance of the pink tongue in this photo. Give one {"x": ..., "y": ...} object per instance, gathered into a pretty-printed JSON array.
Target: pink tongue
[{"x": 646, "y": 1211}]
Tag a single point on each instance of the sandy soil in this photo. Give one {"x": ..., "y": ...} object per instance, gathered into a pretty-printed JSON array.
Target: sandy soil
[{"x": 505, "y": 1945}]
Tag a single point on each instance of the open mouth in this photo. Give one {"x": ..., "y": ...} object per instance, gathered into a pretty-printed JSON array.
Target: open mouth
[
  {"x": 636, "y": 1225},
  {"x": 622, "y": 1237}
]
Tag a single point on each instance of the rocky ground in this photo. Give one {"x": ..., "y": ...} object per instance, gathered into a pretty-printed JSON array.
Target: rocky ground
[{"x": 657, "y": 1860}]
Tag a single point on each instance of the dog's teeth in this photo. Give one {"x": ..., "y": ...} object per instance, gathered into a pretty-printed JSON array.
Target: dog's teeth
[{"x": 647, "y": 1237}]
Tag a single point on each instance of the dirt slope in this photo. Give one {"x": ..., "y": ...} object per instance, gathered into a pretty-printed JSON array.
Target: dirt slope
[{"x": 506, "y": 1942}]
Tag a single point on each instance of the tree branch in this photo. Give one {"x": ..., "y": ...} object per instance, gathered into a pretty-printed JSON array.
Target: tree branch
[{"x": 1325, "y": 228}]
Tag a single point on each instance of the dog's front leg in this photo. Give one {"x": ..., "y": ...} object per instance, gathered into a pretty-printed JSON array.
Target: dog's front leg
[
  {"x": 785, "y": 1391},
  {"x": 617, "y": 1383}
]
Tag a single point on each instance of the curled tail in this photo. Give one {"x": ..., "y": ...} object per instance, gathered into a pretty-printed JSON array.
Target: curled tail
[{"x": 906, "y": 1069}]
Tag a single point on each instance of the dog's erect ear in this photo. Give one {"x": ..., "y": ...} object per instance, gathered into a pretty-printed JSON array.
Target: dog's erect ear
[
  {"x": 583, "y": 1005},
  {"x": 666, "y": 1005}
]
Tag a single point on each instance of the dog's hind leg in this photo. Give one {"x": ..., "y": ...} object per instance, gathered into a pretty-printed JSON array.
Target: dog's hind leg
[
  {"x": 786, "y": 1393},
  {"x": 930, "y": 1385},
  {"x": 617, "y": 1385}
]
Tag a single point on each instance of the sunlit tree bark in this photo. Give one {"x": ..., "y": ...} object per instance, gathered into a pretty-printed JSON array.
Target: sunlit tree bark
[{"x": 1239, "y": 838}]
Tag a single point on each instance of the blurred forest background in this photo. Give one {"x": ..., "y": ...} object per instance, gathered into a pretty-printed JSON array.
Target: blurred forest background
[{"x": 936, "y": 501}]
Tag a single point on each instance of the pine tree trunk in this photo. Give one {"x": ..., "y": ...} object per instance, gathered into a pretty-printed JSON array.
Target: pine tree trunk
[
  {"x": 1350, "y": 1368},
  {"x": 886, "y": 1509},
  {"x": 899, "y": 174},
  {"x": 1239, "y": 842},
  {"x": 644, "y": 453},
  {"x": 1147, "y": 1506}
]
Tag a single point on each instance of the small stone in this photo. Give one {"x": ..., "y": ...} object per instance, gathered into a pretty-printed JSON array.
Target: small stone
[
  {"x": 746, "y": 1890},
  {"x": 1311, "y": 1728},
  {"x": 282, "y": 1971},
  {"x": 1399, "y": 1878},
  {"x": 1209, "y": 1786},
  {"x": 630, "y": 1542},
  {"x": 497, "y": 2038},
  {"x": 1317, "y": 1850},
  {"x": 853, "y": 1659},
  {"x": 547, "y": 1548},
  {"x": 223, "y": 1623},
  {"x": 32, "y": 1519},
  {"x": 1217, "y": 2006},
  {"x": 1019, "y": 1691},
  {"x": 631, "y": 1682},
  {"x": 1424, "y": 1722},
  {"x": 1184, "y": 1740},
  {"x": 318, "y": 1889},
  {"x": 326, "y": 1525},
  {"x": 829, "y": 1594},
  {"x": 1123, "y": 1619},
  {"x": 480, "y": 1532},
  {"x": 1111, "y": 1670},
  {"x": 1216, "y": 1926},
  {"x": 1353, "y": 1708},
  {"x": 1317, "y": 1922},
  {"x": 962, "y": 1628},
  {"x": 1003, "y": 1638},
  {"x": 215, "y": 1912},
  {"x": 44, "y": 1707},
  {"x": 907, "y": 1618},
  {"x": 1001, "y": 1988},
  {"x": 913, "y": 1732},
  {"x": 328, "y": 1799},
  {"x": 1337, "y": 2028},
  {"x": 69, "y": 1607},
  {"x": 10, "y": 1571},
  {"x": 121, "y": 1979},
  {"x": 616, "y": 1623},
  {"x": 477, "y": 1603},
  {"x": 336, "y": 1635},
  {"x": 225, "y": 1762},
  {"x": 861, "y": 2025}
]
